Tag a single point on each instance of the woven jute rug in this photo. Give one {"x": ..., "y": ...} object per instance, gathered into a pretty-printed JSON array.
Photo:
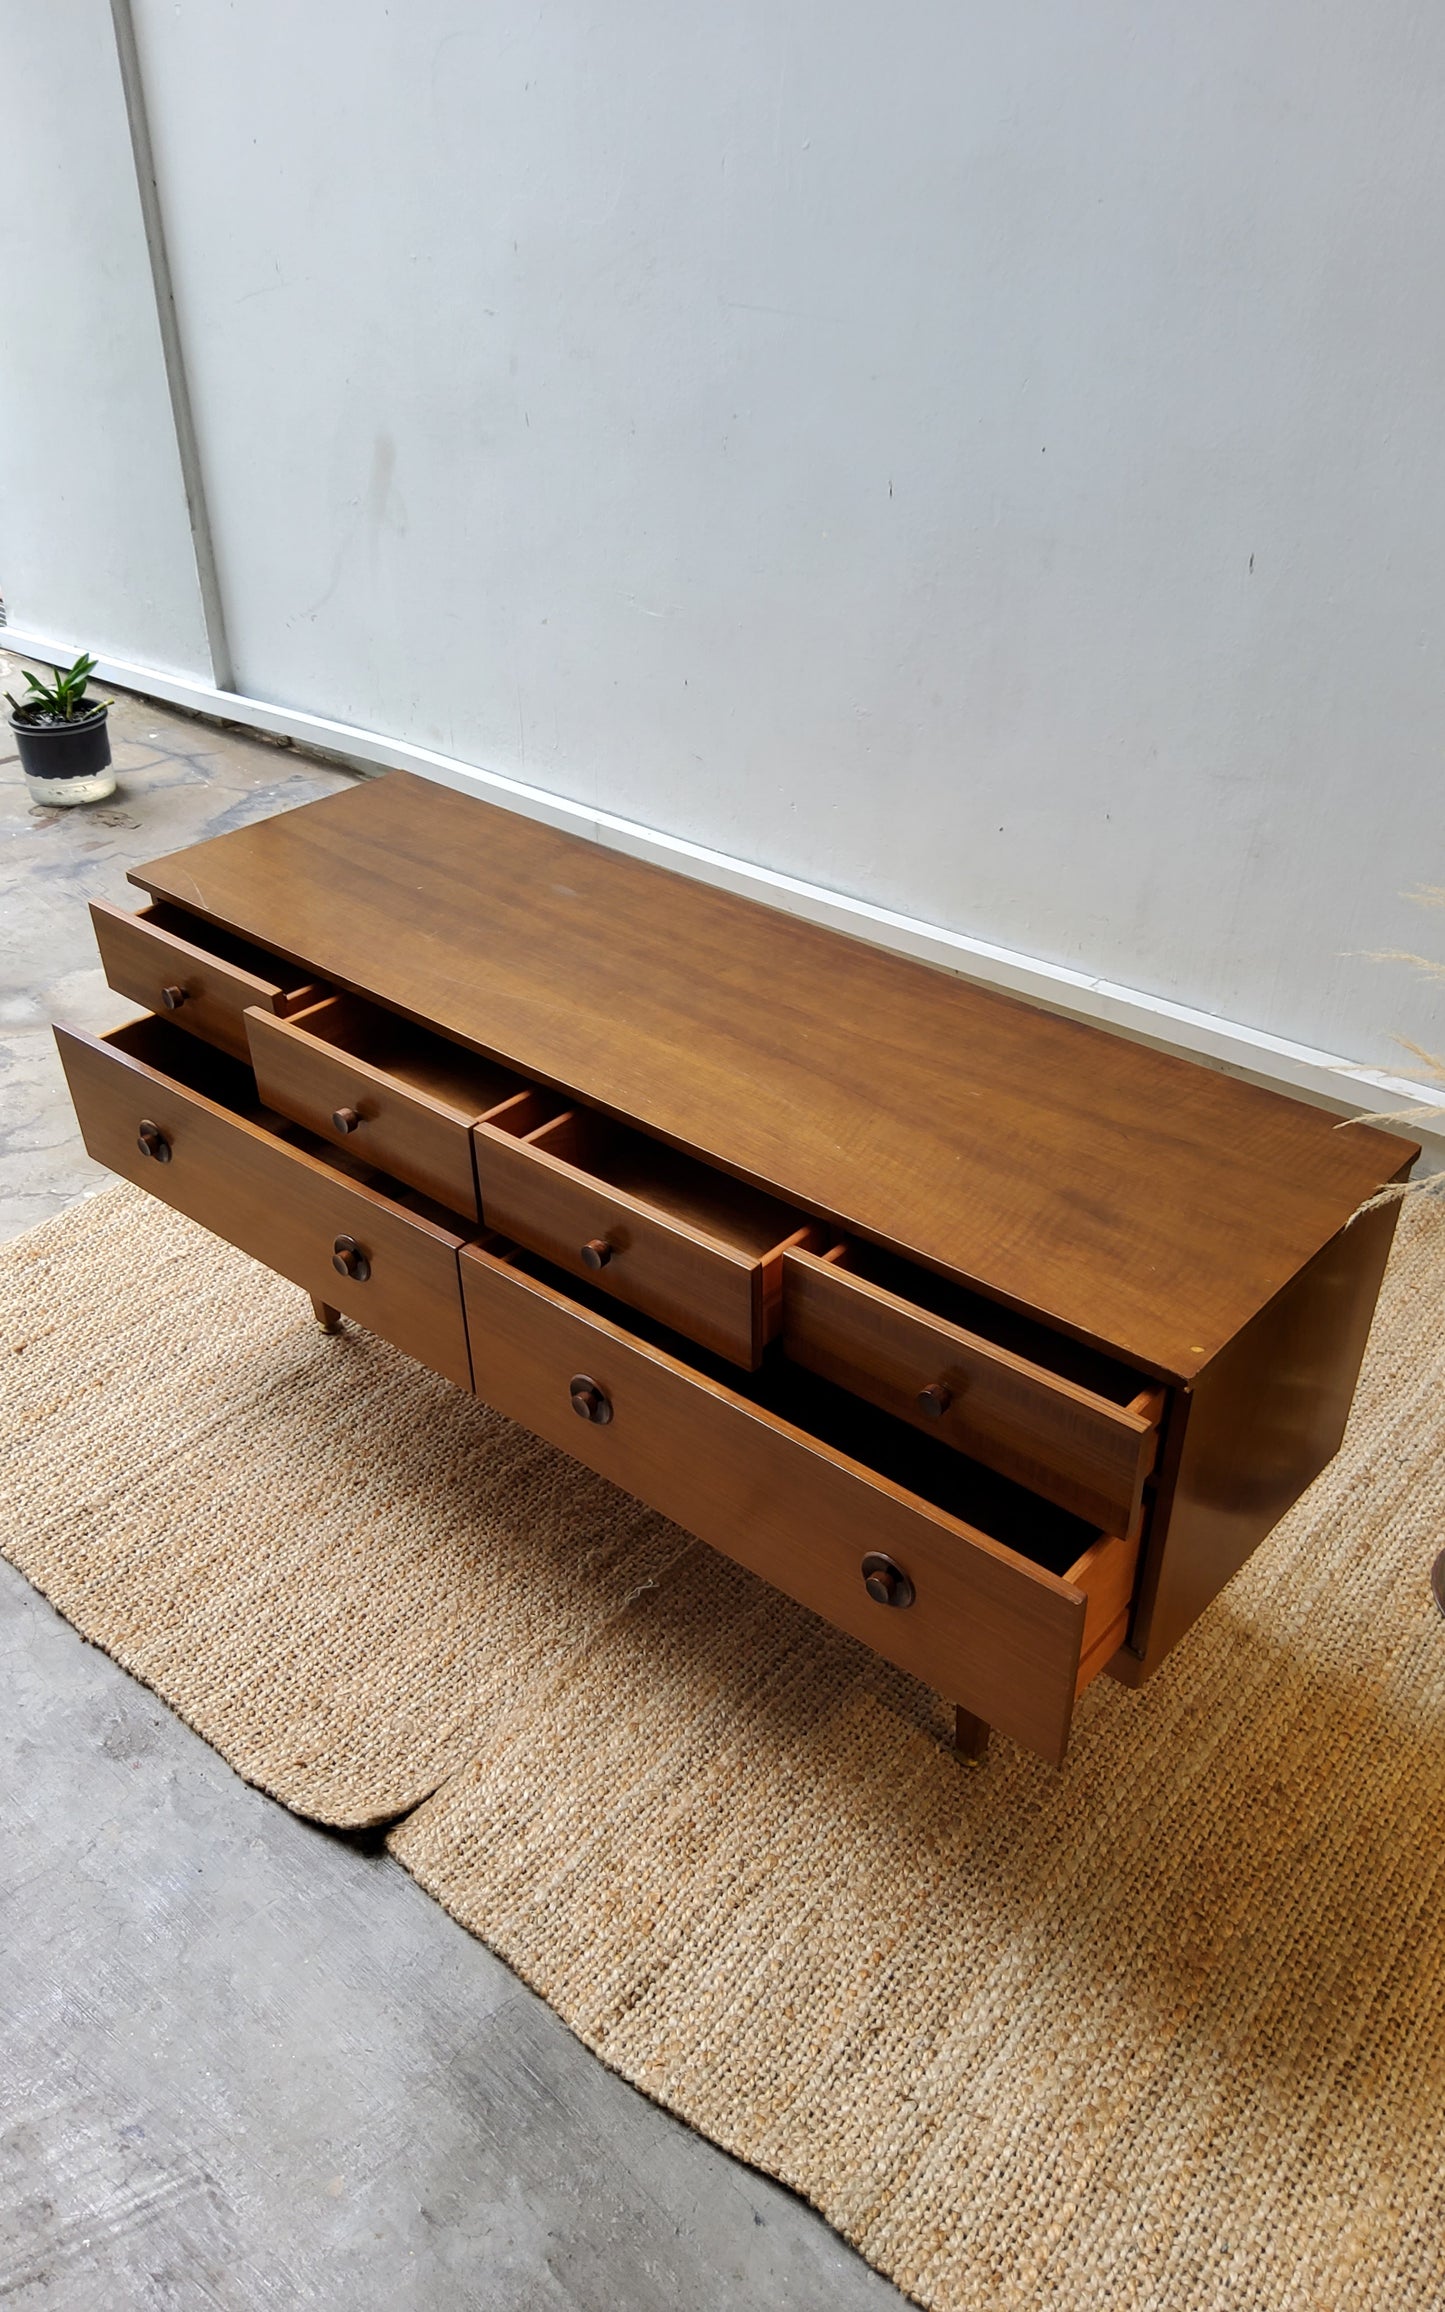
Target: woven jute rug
[
  {"x": 335, "y": 1566},
  {"x": 1163, "y": 2030}
]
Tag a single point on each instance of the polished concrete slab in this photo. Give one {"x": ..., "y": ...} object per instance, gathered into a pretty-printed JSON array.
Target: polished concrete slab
[{"x": 245, "y": 2063}]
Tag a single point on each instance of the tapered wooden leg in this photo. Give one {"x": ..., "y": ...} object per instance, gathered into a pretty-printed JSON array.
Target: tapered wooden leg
[
  {"x": 327, "y": 1317},
  {"x": 970, "y": 1735}
]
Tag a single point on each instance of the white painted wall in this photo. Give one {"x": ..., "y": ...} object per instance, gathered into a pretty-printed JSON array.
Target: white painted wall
[
  {"x": 984, "y": 458},
  {"x": 95, "y": 544}
]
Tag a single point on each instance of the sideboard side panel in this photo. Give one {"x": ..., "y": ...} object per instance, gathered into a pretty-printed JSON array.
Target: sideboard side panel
[{"x": 1260, "y": 1423}]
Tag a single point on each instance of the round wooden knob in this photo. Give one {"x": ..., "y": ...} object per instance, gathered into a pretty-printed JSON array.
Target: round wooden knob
[
  {"x": 173, "y": 997},
  {"x": 596, "y": 1252},
  {"x": 1437, "y": 1581},
  {"x": 151, "y": 1141},
  {"x": 348, "y": 1259},
  {"x": 589, "y": 1402},
  {"x": 345, "y": 1119},
  {"x": 935, "y": 1400},
  {"x": 886, "y": 1583}
]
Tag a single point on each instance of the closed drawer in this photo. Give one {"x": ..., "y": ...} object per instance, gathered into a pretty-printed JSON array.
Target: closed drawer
[
  {"x": 202, "y": 979},
  {"x": 769, "y": 1472},
  {"x": 697, "y": 1250},
  {"x": 393, "y": 1094},
  {"x": 184, "y": 1122},
  {"x": 1072, "y": 1425}
]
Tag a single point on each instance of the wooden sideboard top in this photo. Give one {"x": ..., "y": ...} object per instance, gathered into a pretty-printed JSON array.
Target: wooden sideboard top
[{"x": 1141, "y": 1201}]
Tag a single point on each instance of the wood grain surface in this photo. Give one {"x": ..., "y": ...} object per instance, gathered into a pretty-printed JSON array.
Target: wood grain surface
[
  {"x": 1133, "y": 1198},
  {"x": 1255, "y": 1430}
]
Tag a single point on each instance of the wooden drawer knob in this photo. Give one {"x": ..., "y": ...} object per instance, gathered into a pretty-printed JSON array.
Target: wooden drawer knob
[
  {"x": 886, "y": 1583},
  {"x": 596, "y": 1252},
  {"x": 173, "y": 997},
  {"x": 348, "y": 1259},
  {"x": 935, "y": 1400},
  {"x": 151, "y": 1141},
  {"x": 589, "y": 1402},
  {"x": 345, "y": 1119}
]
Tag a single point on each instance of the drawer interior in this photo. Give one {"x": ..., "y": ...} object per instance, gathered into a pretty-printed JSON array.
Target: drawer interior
[
  {"x": 200, "y": 1067},
  {"x": 1021, "y": 1336},
  {"x": 949, "y": 1480},
  {"x": 417, "y": 1058},
  {"x": 225, "y": 946},
  {"x": 747, "y": 1220}
]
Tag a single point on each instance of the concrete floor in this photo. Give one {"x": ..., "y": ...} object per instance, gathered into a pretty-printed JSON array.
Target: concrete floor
[{"x": 245, "y": 2063}]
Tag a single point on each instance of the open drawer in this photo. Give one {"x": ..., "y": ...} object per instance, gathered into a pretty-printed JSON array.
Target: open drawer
[
  {"x": 202, "y": 978},
  {"x": 184, "y": 1122},
  {"x": 990, "y": 1596},
  {"x": 396, "y": 1095},
  {"x": 690, "y": 1246},
  {"x": 1062, "y": 1419}
]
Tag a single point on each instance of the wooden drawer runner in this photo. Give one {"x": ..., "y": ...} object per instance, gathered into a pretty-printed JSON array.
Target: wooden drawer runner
[
  {"x": 688, "y": 1245},
  {"x": 1078, "y": 1429},
  {"x": 986, "y": 1626},
  {"x": 393, "y": 1094},
  {"x": 145, "y": 1088},
  {"x": 202, "y": 979}
]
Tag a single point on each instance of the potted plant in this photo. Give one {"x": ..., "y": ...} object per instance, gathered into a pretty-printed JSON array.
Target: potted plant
[{"x": 63, "y": 739}]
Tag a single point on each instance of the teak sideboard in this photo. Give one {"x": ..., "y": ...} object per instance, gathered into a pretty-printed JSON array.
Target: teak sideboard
[{"x": 996, "y": 1339}]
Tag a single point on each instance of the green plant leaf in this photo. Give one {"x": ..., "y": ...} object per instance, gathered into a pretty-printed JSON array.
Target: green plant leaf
[{"x": 64, "y": 695}]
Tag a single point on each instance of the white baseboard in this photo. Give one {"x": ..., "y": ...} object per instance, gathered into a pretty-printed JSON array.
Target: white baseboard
[{"x": 1327, "y": 1079}]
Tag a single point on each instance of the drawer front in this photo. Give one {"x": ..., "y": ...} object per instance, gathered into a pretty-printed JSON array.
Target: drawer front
[
  {"x": 1061, "y": 1440},
  {"x": 985, "y": 1628},
  {"x": 706, "y": 1290},
  {"x": 277, "y": 1203},
  {"x": 396, "y": 1127},
  {"x": 184, "y": 983}
]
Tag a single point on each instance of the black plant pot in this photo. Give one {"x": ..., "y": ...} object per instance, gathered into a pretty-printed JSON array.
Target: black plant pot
[{"x": 66, "y": 762}]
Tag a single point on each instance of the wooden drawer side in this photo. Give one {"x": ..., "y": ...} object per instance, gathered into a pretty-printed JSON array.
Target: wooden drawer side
[
  {"x": 386, "y": 1092},
  {"x": 684, "y": 1244},
  {"x": 986, "y": 1628},
  {"x": 199, "y": 978},
  {"x": 1067, "y": 1442}
]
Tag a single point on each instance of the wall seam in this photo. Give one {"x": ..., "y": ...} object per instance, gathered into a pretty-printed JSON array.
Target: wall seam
[{"x": 173, "y": 353}]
